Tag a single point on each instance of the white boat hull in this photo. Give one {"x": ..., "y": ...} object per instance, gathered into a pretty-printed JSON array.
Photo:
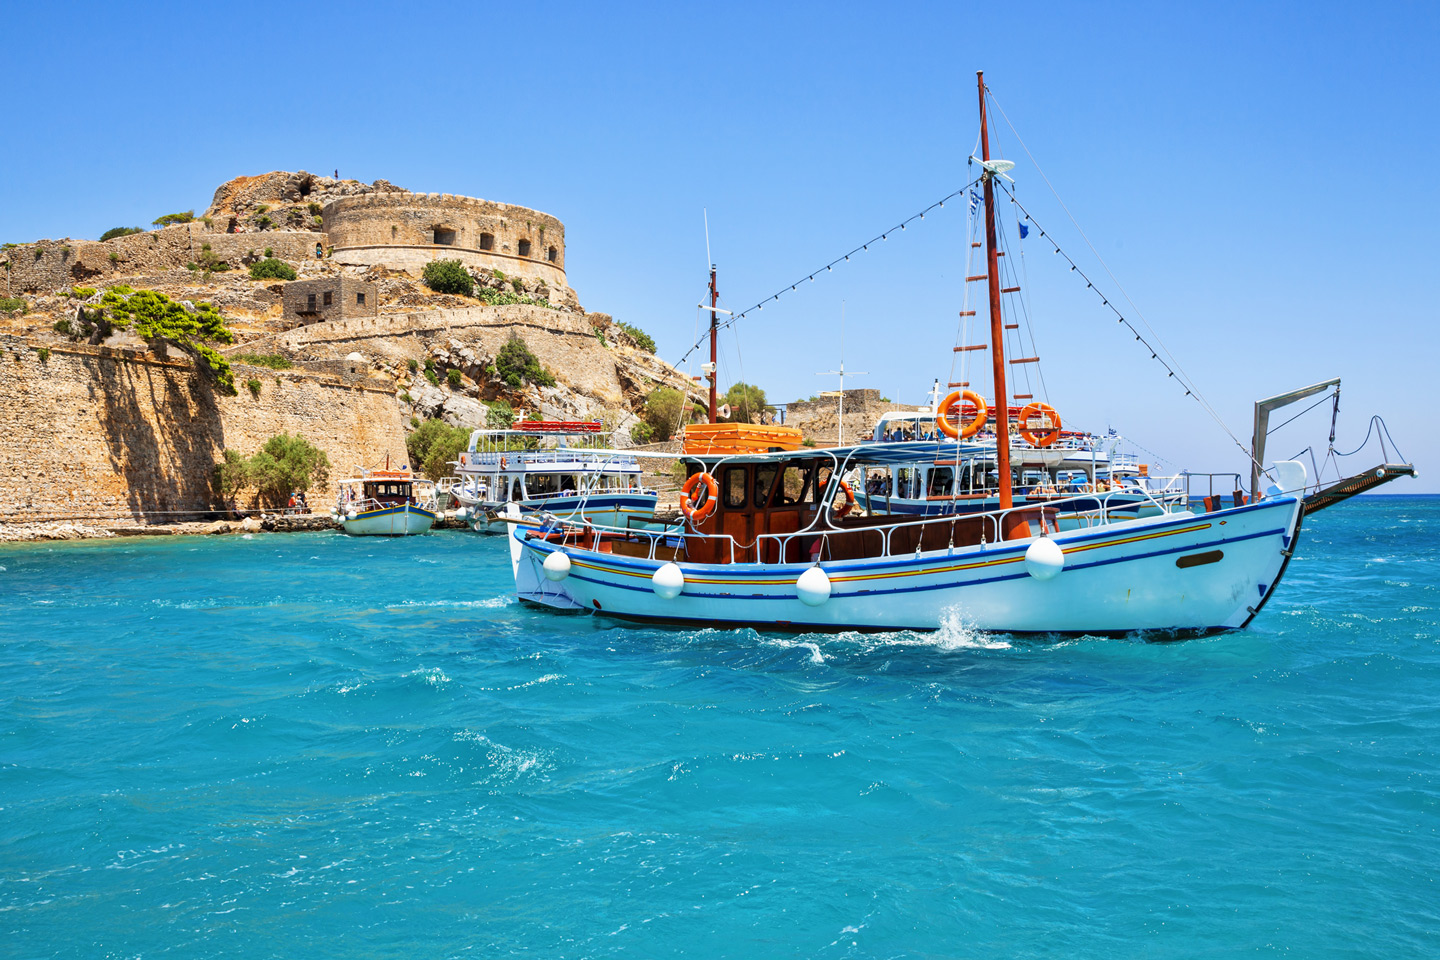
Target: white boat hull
[
  {"x": 1127, "y": 577},
  {"x": 406, "y": 520}
]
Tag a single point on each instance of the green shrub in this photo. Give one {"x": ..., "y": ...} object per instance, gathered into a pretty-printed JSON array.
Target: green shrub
[
  {"x": 663, "y": 412},
  {"x": 434, "y": 446},
  {"x": 82, "y": 293},
  {"x": 254, "y": 386},
  {"x": 283, "y": 464},
  {"x": 517, "y": 366},
  {"x": 452, "y": 377},
  {"x": 263, "y": 208},
  {"x": 114, "y": 232},
  {"x": 114, "y": 257},
  {"x": 642, "y": 432},
  {"x": 44, "y": 354},
  {"x": 430, "y": 375},
  {"x": 318, "y": 220},
  {"x": 314, "y": 207},
  {"x": 415, "y": 422},
  {"x": 275, "y": 361},
  {"x": 269, "y": 251},
  {"x": 264, "y": 222},
  {"x": 746, "y": 401},
  {"x": 642, "y": 339},
  {"x": 500, "y": 415},
  {"x": 496, "y": 298},
  {"x": 271, "y": 269},
  {"x": 155, "y": 316},
  {"x": 497, "y": 274},
  {"x": 517, "y": 286},
  {"x": 412, "y": 364},
  {"x": 405, "y": 395},
  {"x": 12, "y": 305},
  {"x": 186, "y": 217},
  {"x": 448, "y": 276},
  {"x": 63, "y": 326}
]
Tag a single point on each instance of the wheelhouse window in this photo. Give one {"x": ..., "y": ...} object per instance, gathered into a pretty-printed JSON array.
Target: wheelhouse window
[
  {"x": 765, "y": 474},
  {"x": 733, "y": 488},
  {"x": 793, "y": 484}
]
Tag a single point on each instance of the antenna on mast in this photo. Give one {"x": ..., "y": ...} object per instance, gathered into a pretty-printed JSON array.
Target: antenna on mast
[{"x": 840, "y": 422}]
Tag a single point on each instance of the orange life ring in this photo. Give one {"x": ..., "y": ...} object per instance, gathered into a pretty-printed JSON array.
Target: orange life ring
[
  {"x": 849, "y": 504},
  {"x": 502, "y": 463},
  {"x": 982, "y": 414},
  {"x": 1043, "y": 439},
  {"x": 697, "y": 510}
]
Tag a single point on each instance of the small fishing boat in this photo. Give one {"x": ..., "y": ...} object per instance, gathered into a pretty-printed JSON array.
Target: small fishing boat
[
  {"x": 558, "y": 468},
  {"x": 773, "y": 539},
  {"x": 385, "y": 503}
]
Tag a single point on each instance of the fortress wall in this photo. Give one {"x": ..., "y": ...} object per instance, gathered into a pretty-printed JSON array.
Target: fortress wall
[
  {"x": 94, "y": 431},
  {"x": 562, "y": 341},
  {"x": 52, "y": 265}
]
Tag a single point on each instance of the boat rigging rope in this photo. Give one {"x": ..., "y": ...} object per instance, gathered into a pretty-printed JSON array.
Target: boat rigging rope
[
  {"x": 843, "y": 258},
  {"x": 1172, "y": 370}
]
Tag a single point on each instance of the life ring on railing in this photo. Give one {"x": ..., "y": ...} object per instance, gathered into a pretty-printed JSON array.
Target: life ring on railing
[
  {"x": 503, "y": 464},
  {"x": 849, "y": 503},
  {"x": 1045, "y": 437},
  {"x": 696, "y": 510},
  {"x": 942, "y": 415}
]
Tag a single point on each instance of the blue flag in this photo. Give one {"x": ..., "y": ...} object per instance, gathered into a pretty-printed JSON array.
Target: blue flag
[
  {"x": 1024, "y": 231},
  {"x": 974, "y": 202}
]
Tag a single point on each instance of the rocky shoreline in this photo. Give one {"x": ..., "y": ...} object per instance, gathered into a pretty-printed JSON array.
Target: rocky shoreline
[{"x": 51, "y": 530}]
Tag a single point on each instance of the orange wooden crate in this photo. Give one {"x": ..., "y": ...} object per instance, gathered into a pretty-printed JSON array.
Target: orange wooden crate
[{"x": 732, "y": 438}]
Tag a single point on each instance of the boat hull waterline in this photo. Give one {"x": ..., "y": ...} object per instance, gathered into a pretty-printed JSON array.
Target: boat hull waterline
[
  {"x": 1183, "y": 573},
  {"x": 405, "y": 520}
]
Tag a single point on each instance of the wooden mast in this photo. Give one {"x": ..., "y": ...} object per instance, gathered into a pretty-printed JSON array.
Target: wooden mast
[
  {"x": 997, "y": 333},
  {"x": 714, "y": 370}
]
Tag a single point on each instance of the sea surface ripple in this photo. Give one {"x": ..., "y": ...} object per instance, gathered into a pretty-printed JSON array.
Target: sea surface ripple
[{"x": 312, "y": 745}]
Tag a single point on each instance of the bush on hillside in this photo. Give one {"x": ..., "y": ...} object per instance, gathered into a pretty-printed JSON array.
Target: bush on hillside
[
  {"x": 186, "y": 216},
  {"x": 434, "y": 447},
  {"x": 271, "y": 269},
  {"x": 501, "y": 415},
  {"x": 517, "y": 366},
  {"x": 154, "y": 316},
  {"x": 664, "y": 408},
  {"x": 642, "y": 339},
  {"x": 114, "y": 232},
  {"x": 746, "y": 401},
  {"x": 284, "y": 464},
  {"x": 448, "y": 276}
]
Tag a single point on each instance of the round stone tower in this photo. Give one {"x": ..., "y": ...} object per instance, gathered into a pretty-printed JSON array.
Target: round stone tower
[{"x": 404, "y": 231}]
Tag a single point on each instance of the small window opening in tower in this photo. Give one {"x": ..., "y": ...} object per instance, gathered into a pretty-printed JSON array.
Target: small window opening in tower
[
  {"x": 329, "y": 297},
  {"x": 445, "y": 236},
  {"x": 550, "y": 255},
  {"x": 524, "y": 248},
  {"x": 487, "y": 241},
  {"x": 394, "y": 231}
]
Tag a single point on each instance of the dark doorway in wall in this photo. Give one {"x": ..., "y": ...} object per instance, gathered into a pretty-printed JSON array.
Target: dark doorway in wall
[
  {"x": 487, "y": 241},
  {"x": 230, "y": 227},
  {"x": 524, "y": 248},
  {"x": 444, "y": 236},
  {"x": 550, "y": 254}
]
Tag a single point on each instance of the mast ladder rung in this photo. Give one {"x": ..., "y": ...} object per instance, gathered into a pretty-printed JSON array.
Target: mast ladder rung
[
  {"x": 999, "y": 253},
  {"x": 1009, "y": 289},
  {"x": 967, "y": 313},
  {"x": 983, "y": 276},
  {"x": 974, "y": 243},
  {"x": 958, "y": 383},
  {"x": 973, "y": 346},
  {"x": 1022, "y": 396},
  {"x": 1012, "y": 326},
  {"x": 1026, "y": 360}
]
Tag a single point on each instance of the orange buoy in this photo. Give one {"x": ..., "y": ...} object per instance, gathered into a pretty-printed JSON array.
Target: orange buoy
[
  {"x": 1044, "y": 437},
  {"x": 849, "y": 504},
  {"x": 699, "y": 497},
  {"x": 942, "y": 415}
]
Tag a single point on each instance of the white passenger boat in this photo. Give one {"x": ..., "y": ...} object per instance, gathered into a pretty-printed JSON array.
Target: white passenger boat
[
  {"x": 772, "y": 539},
  {"x": 385, "y": 503},
  {"x": 551, "y": 467}
]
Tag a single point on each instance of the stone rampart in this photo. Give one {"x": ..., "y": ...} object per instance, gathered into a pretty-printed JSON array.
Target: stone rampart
[
  {"x": 404, "y": 231},
  {"x": 564, "y": 341},
  {"x": 100, "y": 432},
  {"x": 52, "y": 265}
]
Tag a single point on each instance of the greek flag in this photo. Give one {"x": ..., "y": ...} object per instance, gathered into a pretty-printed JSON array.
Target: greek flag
[{"x": 974, "y": 201}]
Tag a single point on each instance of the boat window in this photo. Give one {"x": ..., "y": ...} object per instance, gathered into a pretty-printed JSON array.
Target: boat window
[
  {"x": 822, "y": 483},
  {"x": 541, "y": 484},
  {"x": 792, "y": 485},
  {"x": 878, "y": 482},
  {"x": 942, "y": 479},
  {"x": 907, "y": 485},
  {"x": 734, "y": 487},
  {"x": 764, "y": 483}
]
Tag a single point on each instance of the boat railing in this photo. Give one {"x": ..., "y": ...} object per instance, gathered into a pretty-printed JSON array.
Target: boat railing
[
  {"x": 816, "y": 542},
  {"x": 1209, "y": 479},
  {"x": 507, "y": 458}
]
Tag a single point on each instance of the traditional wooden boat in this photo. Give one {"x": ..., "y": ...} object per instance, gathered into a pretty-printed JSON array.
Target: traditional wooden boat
[{"x": 385, "y": 503}]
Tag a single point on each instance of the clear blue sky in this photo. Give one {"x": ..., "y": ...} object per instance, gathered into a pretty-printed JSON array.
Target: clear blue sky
[{"x": 1260, "y": 177}]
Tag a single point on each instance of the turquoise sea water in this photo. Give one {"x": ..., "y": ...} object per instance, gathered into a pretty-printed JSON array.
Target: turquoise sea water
[{"x": 309, "y": 745}]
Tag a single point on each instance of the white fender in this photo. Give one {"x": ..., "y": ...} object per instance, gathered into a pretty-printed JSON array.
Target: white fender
[
  {"x": 557, "y": 567},
  {"x": 1044, "y": 559},
  {"x": 813, "y": 587},
  {"x": 668, "y": 581}
]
